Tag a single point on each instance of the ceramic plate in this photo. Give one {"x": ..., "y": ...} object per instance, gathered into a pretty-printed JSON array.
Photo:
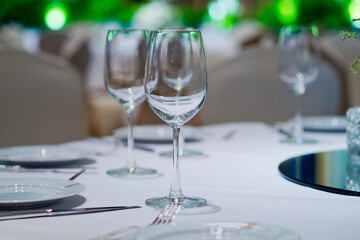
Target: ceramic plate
[
  {"x": 325, "y": 123},
  {"x": 157, "y": 133},
  {"x": 209, "y": 231},
  {"x": 35, "y": 192},
  {"x": 41, "y": 155}
]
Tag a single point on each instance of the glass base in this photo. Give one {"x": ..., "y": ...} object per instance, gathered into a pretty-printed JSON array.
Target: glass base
[
  {"x": 184, "y": 153},
  {"x": 299, "y": 140},
  {"x": 185, "y": 202},
  {"x": 132, "y": 173}
]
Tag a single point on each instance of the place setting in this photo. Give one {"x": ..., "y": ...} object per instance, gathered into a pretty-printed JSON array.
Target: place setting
[
  {"x": 45, "y": 155},
  {"x": 166, "y": 68},
  {"x": 22, "y": 193},
  {"x": 158, "y": 134},
  {"x": 194, "y": 119},
  {"x": 25, "y": 195},
  {"x": 325, "y": 124},
  {"x": 161, "y": 135},
  {"x": 22, "y": 198},
  {"x": 164, "y": 227},
  {"x": 62, "y": 159}
]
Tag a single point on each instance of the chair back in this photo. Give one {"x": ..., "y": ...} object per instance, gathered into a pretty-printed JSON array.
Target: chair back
[
  {"x": 248, "y": 88},
  {"x": 41, "y": 100}
]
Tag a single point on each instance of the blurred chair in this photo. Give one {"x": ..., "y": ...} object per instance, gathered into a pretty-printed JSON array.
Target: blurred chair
[
  {"x": 247, "y": 88},
  {"x": 104, "y": 114},
  {"x": 41, "y": 100},
  {"x": 72, "y": 47}
]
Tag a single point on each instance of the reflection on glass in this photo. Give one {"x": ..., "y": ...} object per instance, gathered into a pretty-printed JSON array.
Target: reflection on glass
[
  {"x": 353, "y": 176},
  {"x": 353, "y": 133}
]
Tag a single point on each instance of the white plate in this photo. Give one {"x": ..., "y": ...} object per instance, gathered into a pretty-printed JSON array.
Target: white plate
[
  {"x": 157, "y": 133},
  {"x": 35, "y": 192},
  {"x": 209, "y": 231},
  {"x": 42, "y": 155},
  {"x": 325, "y": 123}
]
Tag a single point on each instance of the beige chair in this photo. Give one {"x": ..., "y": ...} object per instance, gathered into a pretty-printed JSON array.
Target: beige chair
[
  {"x": 247, "y": 88},
  {"x": 41, "y": 100}
]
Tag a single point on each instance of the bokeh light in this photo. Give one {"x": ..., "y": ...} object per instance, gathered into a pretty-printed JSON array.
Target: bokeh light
[
  {"x": 222, "y": 10},
  {"x": 288, "y": 11},
  {"x": 156, "y": 14},
  {"x": 217, "y": 10},
  {"x": 354, "y": 11},
  {"x": 55, "y": 16}
]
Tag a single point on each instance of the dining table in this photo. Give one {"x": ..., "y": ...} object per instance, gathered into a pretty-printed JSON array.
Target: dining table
[{"x": 238, "y": 175}]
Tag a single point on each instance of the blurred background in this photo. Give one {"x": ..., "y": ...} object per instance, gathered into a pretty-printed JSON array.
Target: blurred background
[{"x": 75, "y": 30}]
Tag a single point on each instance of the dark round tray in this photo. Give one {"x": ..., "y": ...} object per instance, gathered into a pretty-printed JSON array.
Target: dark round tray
[{"x": 328, "y": 171}]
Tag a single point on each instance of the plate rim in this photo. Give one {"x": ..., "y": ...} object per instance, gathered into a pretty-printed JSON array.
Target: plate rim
[
  {"x": 326, "y": 128},
  {"x": 154, "y": 126},
  {"x": 79, "y": 185},
  {"x": 324, "y": 117},
  {"x": 244, "y": 226},
  {"x": 44, "y": 161}
]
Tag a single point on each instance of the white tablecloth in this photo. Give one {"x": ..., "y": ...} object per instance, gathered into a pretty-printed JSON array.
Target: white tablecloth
[{"x": 240, "y": 176}]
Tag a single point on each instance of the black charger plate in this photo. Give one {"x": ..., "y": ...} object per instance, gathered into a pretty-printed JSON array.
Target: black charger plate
[{"x": 327, "y": 171}]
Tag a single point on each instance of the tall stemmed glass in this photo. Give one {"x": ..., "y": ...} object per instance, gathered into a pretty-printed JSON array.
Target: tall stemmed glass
[
  {"x": 175, "y": 88},
  {"x": 125, "y": 56},
  {"x": 299, "y": 67}
]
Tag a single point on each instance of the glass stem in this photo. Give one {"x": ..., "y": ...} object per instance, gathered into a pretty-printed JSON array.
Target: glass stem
[
  {"x": 175, "y": 190},
  {"x": 298, "y": 124},
  {"x": 130, "y": 161},
  {"x": 181, "y": 144}
]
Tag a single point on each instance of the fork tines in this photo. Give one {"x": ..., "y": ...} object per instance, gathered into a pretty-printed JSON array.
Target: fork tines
[{"x": 167, "y": 214}]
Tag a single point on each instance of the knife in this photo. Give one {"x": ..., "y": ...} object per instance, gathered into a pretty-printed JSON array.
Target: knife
[
  {"x": 280, "y": 129},
  {"x": 49, "y": 212}
]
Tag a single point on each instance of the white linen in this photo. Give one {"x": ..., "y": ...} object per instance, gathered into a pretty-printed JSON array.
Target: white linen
[{"x": 239, "y": 175}]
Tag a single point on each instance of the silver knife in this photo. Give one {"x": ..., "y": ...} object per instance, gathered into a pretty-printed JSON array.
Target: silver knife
[{"x": 49, "y": 212}]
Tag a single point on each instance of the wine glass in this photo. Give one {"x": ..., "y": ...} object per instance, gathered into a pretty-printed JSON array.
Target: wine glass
[
  {"x": 177, "y": 76},
  {"x": 125, "y": 56},
  {"x": 299, "y": 67},
  {"x": 175, "y": 88}
]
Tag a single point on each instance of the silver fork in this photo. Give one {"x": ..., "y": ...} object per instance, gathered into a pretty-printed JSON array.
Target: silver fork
[{"x": 166, "y": 215}]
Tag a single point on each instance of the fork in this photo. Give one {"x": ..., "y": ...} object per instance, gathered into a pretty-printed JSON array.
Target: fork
[{"x": 166, "y": 215}]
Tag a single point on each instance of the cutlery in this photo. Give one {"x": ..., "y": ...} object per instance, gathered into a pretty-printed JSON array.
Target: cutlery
[
  {"x": 142, "y": 147},
  {"x": 166, "y": 215},
  {"x": 77, "y": 174},
  {"x": 222, "y": 136},
  {"x": 280, "y": 129},
  {"x": 49, "y": 212},
  {"x": 229, "y": 135},
  {"x": 117, "y": 143}
]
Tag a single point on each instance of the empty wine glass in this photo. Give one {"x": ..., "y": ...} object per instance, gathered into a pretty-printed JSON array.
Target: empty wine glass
[
  {"x": 175, "y": 88},
  {"x": 125, "y": 56},
  {"x": 177, "y": 75},
  {"x": 299, "y": 67}
]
